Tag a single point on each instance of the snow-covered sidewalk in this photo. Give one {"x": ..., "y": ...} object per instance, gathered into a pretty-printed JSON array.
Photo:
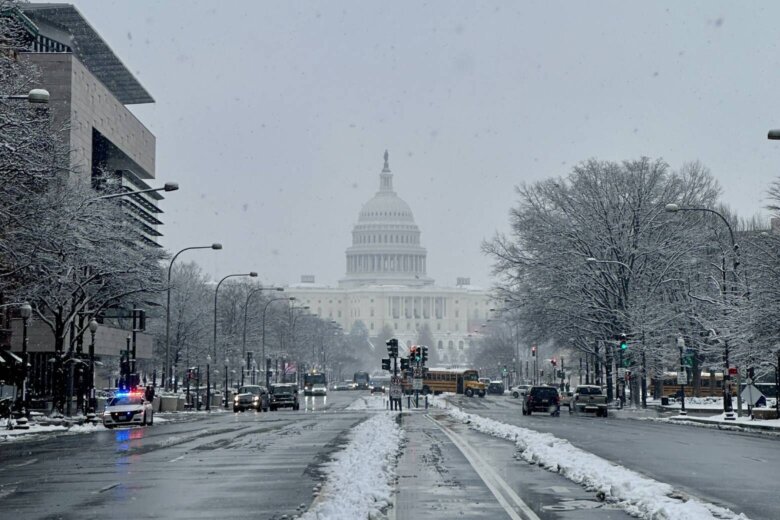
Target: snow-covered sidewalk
[
  {"x": 638, "y": 495},
  {"x": 744, "y": 423},
  {"x": 39, "y": 429},
  {"x": 359, "y": 480}
]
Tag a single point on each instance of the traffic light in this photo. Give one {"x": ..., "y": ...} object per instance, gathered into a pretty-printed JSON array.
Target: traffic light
[
  {"x": 553, "y": 362},
  {"x": 386, "y": 364},
  {"x": 392, "y": 347},
  {"x": 623, "y": 342},
  {"x": 533, "y": 351},
  {"x": 424, "y": 354},
  {"x": 404, "y": 364}
]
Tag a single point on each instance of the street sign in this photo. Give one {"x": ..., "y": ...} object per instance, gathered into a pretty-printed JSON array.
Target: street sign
[
  {"x": 682, "y": 377},
  {"x": 417, "y": 383},
  {"x": 621, "y": 373},
  {"x": 417, "y": 372},
  {"x": 395, "y": 391},
  {"x": 732, "y": 371}
]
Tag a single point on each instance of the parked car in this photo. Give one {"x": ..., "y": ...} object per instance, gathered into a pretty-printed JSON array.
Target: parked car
[
  {"x": 542, "y": 399},
  {"x": 519, "y": 390},
  {"x": 496, "y": 387},
  {"x": 284, "y": 395},
  {"x": 588, "y": 399},
  {"x": 251, "y": 396},
  {"x": 128, "y": 408}
]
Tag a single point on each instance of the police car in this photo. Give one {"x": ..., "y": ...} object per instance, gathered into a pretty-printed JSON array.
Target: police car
[{"x": 128, "y": 408}]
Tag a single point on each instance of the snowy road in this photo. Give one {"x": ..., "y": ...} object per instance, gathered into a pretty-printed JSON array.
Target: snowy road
[{"x": 266, "y": 466}]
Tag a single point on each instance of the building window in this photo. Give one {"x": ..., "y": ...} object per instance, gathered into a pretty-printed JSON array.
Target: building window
[
  {"x": 460, "y": 345},
  {"x": 372, "y": 312},
  {"x": 372, "y": 325},
  {"x": 395, "y": 326},
  {"x": 339, "y": 314}
]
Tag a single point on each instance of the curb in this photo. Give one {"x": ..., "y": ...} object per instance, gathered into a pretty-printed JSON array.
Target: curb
[{"x": 726, "y": 425}]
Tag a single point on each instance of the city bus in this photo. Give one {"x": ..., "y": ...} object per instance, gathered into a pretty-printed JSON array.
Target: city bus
[
  {"x": 453, "y": 380},
  {"x": 361, "y": 380},
  {"x": 314, "y": 382}
]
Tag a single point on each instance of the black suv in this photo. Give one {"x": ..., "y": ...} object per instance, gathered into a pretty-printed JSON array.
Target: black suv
[
  {"x": 496, "y": 387},
  {"x": 542, "y": 399},
  {"x": 284, "y": 395}
]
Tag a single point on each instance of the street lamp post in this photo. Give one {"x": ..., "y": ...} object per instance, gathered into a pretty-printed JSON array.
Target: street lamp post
[
  {"x": 208, "y": 383},
  {"x": 682, "y": 377},
  {"x": 93, "y": 327},
  {"x": 263, "y": 363},
  {"x": 21, "y": 403},
  {"x": 167, "y": 368},
  {"x": 227, "y": 362},
  {"x": 246, "y": 311},
  {"x": 216, "y": 295},
  {"x": 728, "y": 409},
  {"x": 292, "y": 326},
  {"x": 168, "y": 186},
  {"x": 36, "y": 96}
]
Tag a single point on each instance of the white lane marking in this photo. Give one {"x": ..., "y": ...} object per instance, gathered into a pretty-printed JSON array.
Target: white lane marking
[
  {"x": 491, "y": 479},
  {"x": 177, "y": 458},
  {"x": 25, "y": 463},
  {"x": 559, "y": 489},
  {"x": 104, "y": 489},
  {"x": 5, "y": 492}
]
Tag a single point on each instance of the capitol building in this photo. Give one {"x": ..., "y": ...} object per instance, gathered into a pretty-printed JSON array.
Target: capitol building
[{"x": 386, "y": 283}]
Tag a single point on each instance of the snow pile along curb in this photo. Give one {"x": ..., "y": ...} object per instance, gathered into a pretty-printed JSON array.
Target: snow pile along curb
[
  {"x": 359, "y": 481},
  {"x": 637, "y": 494}
]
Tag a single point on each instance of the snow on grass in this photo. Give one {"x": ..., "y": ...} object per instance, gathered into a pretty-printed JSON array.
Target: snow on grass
[
  {"x": 359, "y": 480},
  {"x": 369, "y": 402},
  {"x": 639, "y": 495}
]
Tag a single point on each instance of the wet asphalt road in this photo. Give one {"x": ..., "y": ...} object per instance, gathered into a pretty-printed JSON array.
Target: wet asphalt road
[
  {"x": 265, "y": 466},
  {"x": 731, "y": 469},
  {"x": 221, "y": 465}
]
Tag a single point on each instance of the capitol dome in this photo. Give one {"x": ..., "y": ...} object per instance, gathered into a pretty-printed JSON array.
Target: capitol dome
[{"x": 386, "y": 246}]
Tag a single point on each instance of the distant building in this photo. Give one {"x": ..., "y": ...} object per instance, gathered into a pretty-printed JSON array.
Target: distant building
[{"x": 386, "y": 283}]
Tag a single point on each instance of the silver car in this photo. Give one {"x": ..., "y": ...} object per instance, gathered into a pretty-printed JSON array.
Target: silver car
[
  {"x": 520, "y": 391},
  {"x": 251, "y": 397},
  {"x": 128, "y": 408}
]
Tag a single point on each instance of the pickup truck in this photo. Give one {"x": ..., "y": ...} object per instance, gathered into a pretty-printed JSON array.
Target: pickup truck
[{"x": 588, "y": 398}]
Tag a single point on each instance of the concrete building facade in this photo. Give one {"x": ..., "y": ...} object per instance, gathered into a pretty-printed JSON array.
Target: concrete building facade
[{"x": 90, "y": 90}]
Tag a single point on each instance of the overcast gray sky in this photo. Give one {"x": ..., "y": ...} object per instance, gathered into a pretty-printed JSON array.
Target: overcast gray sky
[{"x": 273, "y": 116}]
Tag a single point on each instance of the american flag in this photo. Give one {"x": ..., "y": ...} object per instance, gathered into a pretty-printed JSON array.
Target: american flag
[{"x": 290, "y": 368}]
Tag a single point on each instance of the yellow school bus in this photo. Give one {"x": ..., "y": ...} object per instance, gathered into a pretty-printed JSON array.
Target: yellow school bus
[{"x": 453, "y": 380}]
